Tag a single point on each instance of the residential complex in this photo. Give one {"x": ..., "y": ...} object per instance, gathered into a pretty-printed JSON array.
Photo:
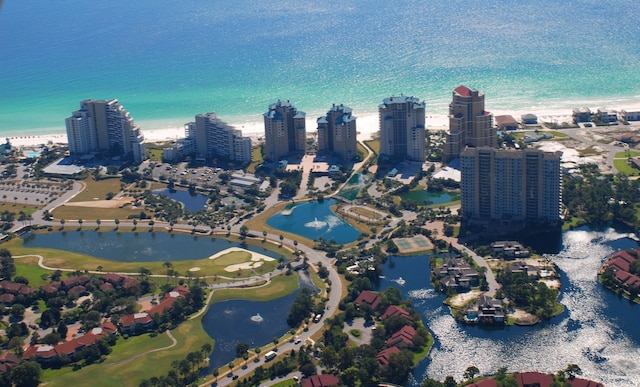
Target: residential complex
[
  {"x": 469, "y": 123},
  {"x": 104, "y": 126},
  {"x": 510, "y": 185},
  {"x": 402, "y": 128},
  {"x": 337, "y": 132},
  {"x": 284, "y": 131},
  {"x": 212, "y": 137}
]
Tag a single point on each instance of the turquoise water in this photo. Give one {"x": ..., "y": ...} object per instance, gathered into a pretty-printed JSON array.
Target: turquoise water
[
  {"x": 190, "y": 202},
  {"x": 314, "y": 220},
  {"x": 168, "y": 61}
]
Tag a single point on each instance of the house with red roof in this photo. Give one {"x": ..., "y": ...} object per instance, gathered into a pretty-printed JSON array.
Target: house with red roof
[
  {"x": 577, "y": 382},
  {"x": 620, "y": 263},
  {"x": 533, "y": 379},
  {"x": 67, "y": 350},
  {"x": 383, "y": 356},
  {"x": 324, "y": 380},
  {"x": 403, "y": 338},
  {"x": 484, "y": 383},
  {"x": 143, "y": 320},
  {"x": 14, "y": 288},
  {"x": 8, "y": 360},
  {"x": 369, "y": 298},
  {"x": 394, "y": 310}
]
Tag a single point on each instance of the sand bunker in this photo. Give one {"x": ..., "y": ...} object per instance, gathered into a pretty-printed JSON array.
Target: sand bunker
[
  {"x": 257, "y": 259},
  {"x": 196, "y": 268},
  {"x": 113, "y": 203}
]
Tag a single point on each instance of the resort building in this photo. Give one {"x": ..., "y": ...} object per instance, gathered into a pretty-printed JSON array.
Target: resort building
[
  {"x": 284, "y": 131},
  {"x": 337, "y": 132},
  {"x": 209, "y": 137},
  {"x": 104, "y": 126},
  {"x": 402, "y": 128},
  {"x": 630, "y": 115},
  {"x": 510, "y": 185},
  {"x": 469, "y": 123},
  {"x": 582, "y": 114}
]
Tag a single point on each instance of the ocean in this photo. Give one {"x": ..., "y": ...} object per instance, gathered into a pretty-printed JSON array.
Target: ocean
[{"x": 168, "y": 61}]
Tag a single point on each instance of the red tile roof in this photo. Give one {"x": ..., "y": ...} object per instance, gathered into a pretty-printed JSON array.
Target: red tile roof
[
  {"x": 537, "y": 379},
  {"x": 619, "y": 263},
  {"x": 463, "y": 91},
  {"x": 383, "y": 356},
  {"x": 404, "y": 335},
  {"x": 324, "y": 380},
  {"x": 368, "y": 297},
  {"x": 394, "y": 310},
  {"x": 577, "y": 382},
  {"x": 624, "y": 255},
  {"x": 484, "y": 383}
]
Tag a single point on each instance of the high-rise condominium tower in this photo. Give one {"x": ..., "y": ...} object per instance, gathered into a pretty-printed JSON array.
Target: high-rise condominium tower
[
  {"x": 510, "y": 185},
  {"x": 469, "y": 123},
  {"x": 284, "y": 131},
  {"x": 402, "y": 128},
  {"x": 214, "y": 138},
  {"x": 104, "y": 125},
  {"x": 337, "y": 132}
]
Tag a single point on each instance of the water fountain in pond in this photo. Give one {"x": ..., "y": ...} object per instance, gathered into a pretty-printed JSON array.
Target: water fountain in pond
[
  {"x": 257, "y": 318},
  {"x": 317, "y": 224},
  {"x": 400, "y": 281}
]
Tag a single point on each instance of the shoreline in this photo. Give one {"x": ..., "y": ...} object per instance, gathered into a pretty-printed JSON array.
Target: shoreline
[{"x": 367, "y": 123}]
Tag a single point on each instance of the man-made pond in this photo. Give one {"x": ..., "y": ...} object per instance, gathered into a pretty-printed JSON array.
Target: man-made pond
[
  {"x": 424, "y": 197},
  {"x": 233, "y": 322},
  {"x": 314, "y": 220},
  {"x": 192, "y": 203},
  {"x": 354, "y": 185},
  {"x": 598, "y": 330},
  {"x": 136, "y": 247}
]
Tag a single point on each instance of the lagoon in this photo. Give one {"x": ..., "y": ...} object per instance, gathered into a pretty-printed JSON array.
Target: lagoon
[
  {"x": 134, "y": 246},
  {"x": 597, "y": 331}
]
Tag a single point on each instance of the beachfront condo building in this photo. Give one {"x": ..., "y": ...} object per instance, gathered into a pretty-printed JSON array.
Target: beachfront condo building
[
  {"x": 211, "y": 137},
  {"x": 508, "y": 185},
  {"x": 104, "y": 126},
  {"x": 402, "y": 128},
  {"x": 284, "y": 131},
  {"x": 337, "y": 132},
  {"x": 469, "y": 123}
]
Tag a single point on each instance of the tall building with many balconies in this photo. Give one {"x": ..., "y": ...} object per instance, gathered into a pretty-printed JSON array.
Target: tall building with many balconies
[
  {"x": 213, "y": 137},
  {"x": 510, "y": 185},
  {"x": 104, "y": 126},
  {"x": 284, "y": 131},
  {"x": 402, "y": 128},
  {"x": 469, "y": 123},
  {"x": 337, "y": 132}
]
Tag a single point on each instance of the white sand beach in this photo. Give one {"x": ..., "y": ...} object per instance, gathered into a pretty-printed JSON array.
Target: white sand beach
[{"x": 169, "y": 130}]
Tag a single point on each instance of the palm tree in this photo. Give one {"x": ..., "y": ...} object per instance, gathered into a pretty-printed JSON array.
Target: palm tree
[
  {"x": 168, "y": 265},
  {"x": 281, "y": 239},
  {"x": 151, "y": 223},
  {"x": 295, "y": 243},
  {"x": 98, "y": 221},
  {"x": 80, "y": 222},
  {"x": 264, "y": 235},
  {"x": 215, "y": 373},
  {"x": 230, "y": 365},
  {"x": 275, "y": 342},
  {"x": 135, "y": 223},
  {"x": 4, "y": 199},
  {"x": 62, "y": 222},
  {"x": 117, "y": 223},
  {"x": 15, "y": 200}
]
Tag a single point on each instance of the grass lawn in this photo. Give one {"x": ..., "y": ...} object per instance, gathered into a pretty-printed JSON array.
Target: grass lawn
[
  {"x": 16, "y": 208},
  {"x": 366, "y": 213},
  {"x": 374, "y": 145},
  {"x": 91, "y": 213},
  {"x": 280, "y": 286},
  {"x": 97, "y": 189},
  {"x": 624, "y": 168},
  {"x": 28, "y": 267},
  {"x": 627, "y": 154},
  {"x": 558, "y": 135},
  {"x": 120, "y": 369},
  {"x": 355, "y": 332},
  {"x": 256, "y": 157},
  {"x": 590, "y": 151},
  {"x": 286, "y": 383}
]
